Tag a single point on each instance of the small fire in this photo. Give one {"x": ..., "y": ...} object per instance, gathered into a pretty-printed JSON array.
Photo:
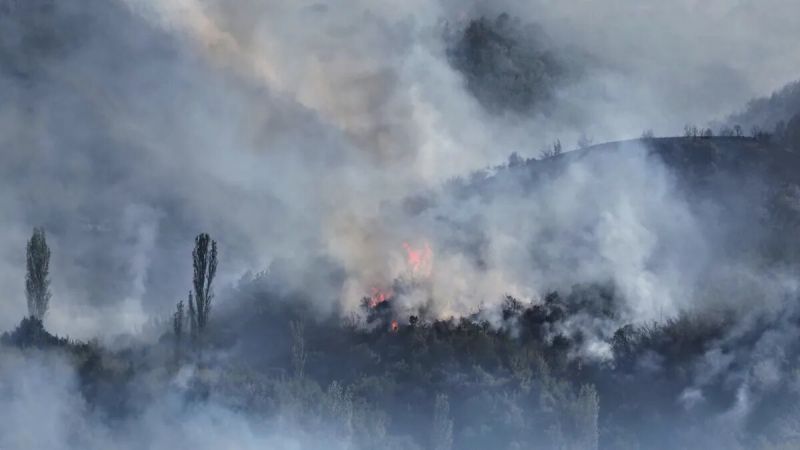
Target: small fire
[
  {"x": 419, "y": 261},
  {"x": 395, "y": 326},
  {"x": 379, "y": 296}
]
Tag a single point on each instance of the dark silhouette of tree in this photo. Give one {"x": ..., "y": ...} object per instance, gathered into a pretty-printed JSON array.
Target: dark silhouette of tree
[
  {"x": 737, "y": 130},
  {"x": 31, "y": 333},
  {"x": 648, "y": 134},
  {"x": 37, "y": 282},
  {"x": 555, "y": 150},
  {"x": 780, "y": 130},
  {"x": 514, "y": 160},
  {"x": 204, "y": 261},
  {"x": 759, "y": 134},
  {"x": 192, "y": 317},
  {"x": 791, "y": 135},
  {"x": 178, "y": 319},
  {"x": 298, "y": 348}
]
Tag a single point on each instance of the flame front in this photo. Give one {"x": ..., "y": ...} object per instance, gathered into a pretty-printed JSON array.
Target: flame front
[
  {"x": 379, "y": 296},
  {"x": 419, "y": 261},
  {"x": 418, "y": 264}
]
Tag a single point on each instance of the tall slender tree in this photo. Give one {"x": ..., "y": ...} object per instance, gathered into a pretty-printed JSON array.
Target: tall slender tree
[
  {"x": 178, "y": 319},
  {"x": 192, "y": 317},
  {"x": 298, "y": 348},
  {"x": 37, "y": 281},
  {"x": 204, "y": 260}
]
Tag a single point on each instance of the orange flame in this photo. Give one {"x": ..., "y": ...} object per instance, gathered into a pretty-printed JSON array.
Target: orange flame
[
  {"x": 379, "y": 296},
  {"x": 419, "y": 260},
  {"x": 395, "y": 326}
]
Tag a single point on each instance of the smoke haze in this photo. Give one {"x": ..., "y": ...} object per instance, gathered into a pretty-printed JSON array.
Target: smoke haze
[
  {"x": 350, "y": 153},
  {"x": 283, "y": 128}
]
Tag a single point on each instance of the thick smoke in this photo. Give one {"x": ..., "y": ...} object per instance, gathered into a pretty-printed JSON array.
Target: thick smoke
[
  {"x": 284, "y": 129},
  {"x": 353, "y": 149},
  {"x": 43, "y": 408},
  {"x": 776, "y": 113}
]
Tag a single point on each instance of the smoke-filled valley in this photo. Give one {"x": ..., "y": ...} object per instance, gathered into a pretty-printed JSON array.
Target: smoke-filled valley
[{"x": 428, "y": 225}]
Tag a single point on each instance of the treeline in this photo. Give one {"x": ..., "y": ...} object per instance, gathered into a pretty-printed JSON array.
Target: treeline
[
  {"x": 532, "y": 380},
  {"x": 787, "y": 133},
  {"x": 38, "y": 294}
]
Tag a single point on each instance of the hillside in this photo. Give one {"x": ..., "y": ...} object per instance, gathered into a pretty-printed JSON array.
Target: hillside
[
  {"x": 570, "y": 362},
  {"x": 767, "y": 112}
]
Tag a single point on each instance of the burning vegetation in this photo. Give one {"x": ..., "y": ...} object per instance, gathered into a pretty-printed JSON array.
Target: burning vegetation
[
  {"x": 566, "y": 363},
  {"x": 418, "y": 266},
  {"x": 419, "y": 260},
  {"x": 558, "y": 266},
  {"x": 378, "y": 297}
]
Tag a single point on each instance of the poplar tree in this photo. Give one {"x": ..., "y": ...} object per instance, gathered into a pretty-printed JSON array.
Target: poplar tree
[
  {"x": 204, "y": 261},
  {"x": 37, "y": 281}
]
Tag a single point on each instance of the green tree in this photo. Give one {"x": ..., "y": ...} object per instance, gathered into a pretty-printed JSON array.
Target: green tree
[
  {"x": 37, "y": 281},
  {"x": 204, "y": 261}
]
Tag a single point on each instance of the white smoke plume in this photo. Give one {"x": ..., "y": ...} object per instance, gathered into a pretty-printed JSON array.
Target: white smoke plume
[{"x": 292, "y": 131}]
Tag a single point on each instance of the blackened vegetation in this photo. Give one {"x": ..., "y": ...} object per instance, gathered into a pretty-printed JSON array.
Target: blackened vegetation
[
  {"x": 507, "y": 65},
  {"x": 787, "y": 132},
  {"x": 457, "y": 383},
  {"x": 31, "y": 333},
  {"x": 104, "y": 377},
  {"x": 526, "y": 384}
]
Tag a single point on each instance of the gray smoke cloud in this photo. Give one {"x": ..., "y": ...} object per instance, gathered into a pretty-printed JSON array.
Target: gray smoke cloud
[
  {"x": 291, "y": 131},
  {"x": 339, "y": 148},
  {"x": 43, "y": 408}
]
